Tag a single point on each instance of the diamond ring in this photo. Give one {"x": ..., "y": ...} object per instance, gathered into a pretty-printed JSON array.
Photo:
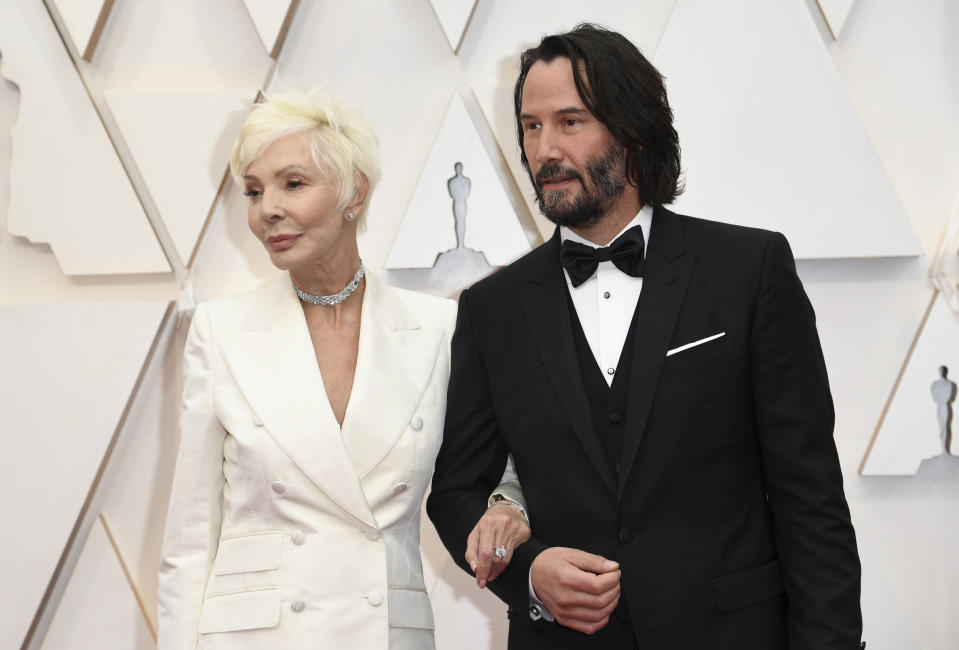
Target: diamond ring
[{"x": 500, "y": 552}]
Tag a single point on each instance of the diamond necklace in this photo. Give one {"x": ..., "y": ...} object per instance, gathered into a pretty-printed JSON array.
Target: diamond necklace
[{"x": 336, "y": 298}]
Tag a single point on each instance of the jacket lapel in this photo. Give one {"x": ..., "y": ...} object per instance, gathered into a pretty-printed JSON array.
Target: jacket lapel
[
  {"x": 665, "y": 279},
  {"x": 395, "y": 361},
  {"x": 272, "y": 360},
  {"x": 547, "y": 310}
]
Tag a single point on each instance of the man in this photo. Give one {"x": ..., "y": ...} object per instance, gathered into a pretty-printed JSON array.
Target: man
[{"x": 664, "y": 396}]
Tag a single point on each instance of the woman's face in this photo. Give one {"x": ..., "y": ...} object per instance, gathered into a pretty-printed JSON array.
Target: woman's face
[{"x": 293, "y": 209}]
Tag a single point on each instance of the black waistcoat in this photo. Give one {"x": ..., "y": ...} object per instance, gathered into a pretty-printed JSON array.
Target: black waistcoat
[{"x": 607, "y": 402}]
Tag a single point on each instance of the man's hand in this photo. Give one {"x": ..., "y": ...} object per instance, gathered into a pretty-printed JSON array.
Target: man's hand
[
  {"x": 580, "y": 589},
  {"x": 500, "y": 525}
]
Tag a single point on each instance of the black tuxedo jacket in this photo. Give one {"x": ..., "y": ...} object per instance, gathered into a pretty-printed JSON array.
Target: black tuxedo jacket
[{"x": 728, "y": 516}]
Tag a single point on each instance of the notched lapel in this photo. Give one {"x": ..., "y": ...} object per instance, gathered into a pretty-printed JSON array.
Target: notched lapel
[
  {"x": 395, "y": 362},
  {"x": 272, "y": 360},
  {"x": 665, "y": 280},
  {"x": 547, "y": 310}
]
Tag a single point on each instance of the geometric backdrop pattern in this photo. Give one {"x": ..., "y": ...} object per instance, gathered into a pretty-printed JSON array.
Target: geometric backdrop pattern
[{"x": 397, "y": 61}]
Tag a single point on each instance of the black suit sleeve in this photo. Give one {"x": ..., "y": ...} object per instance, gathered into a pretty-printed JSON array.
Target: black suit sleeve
[
  {"x": 471, "y": 462},
  {"x": 794, "y": 418}
]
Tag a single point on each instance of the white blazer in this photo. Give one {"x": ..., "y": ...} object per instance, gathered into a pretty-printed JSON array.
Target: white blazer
[{"x": 285, "y": 531}]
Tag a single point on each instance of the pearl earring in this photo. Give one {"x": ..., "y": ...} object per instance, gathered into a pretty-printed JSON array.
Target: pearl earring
[{"x": 350, "y": 216}]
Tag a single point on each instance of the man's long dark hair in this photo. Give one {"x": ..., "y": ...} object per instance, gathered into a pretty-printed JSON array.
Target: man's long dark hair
[{"x": 623, "y": 90}]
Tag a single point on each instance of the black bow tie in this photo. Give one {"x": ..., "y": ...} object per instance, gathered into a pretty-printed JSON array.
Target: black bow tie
[{"x": 626, "y": 252}]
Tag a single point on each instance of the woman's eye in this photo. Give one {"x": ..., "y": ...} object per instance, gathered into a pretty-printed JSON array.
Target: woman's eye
[
  {"x": 530, "y": 126},
  {"x": 252, "y": 194},
  {"x": 294, "y": 183},
  {"x": 571, "y": 122}
]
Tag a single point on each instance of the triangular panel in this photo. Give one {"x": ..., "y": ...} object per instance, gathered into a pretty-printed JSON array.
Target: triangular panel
[
  {"x": 68, "y": 188},
  {"x": 454, "y": 16},
  {"x": 113, "y": 617},
  {"x": 458, "y": 165},
  {"x": 835, "y": 12},
  {"x": 271, "y": 19},
  {"x": 182, "y": 160},
  {"x": 769, "y": 136},
  {"x": 71, "y": 368},
  {"x": 84, "y": 20},
  {"x": 909, "y": 431}
]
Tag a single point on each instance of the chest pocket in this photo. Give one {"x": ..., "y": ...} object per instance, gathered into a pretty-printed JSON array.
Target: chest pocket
[{"x": 696, "y": 352}]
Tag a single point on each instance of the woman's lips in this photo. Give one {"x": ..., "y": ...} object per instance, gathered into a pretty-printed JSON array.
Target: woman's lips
[{"x": 280, "y": 242}]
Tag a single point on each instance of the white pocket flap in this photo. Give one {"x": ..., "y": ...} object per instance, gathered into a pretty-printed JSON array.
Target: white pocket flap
[
  {"x": 246, "y": 610},
  {"x": 410, "y": 608},
  {"x": 259, "y": 552}
]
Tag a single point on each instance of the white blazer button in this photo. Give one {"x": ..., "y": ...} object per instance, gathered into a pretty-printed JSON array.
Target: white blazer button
[
  {"x": 278, "y": 486},
  {"x": 298, "y": 605},
  {"x": 399, "y": 488},
  {"x": 257, "y": 422},
  {"x": 372, "y": 534},
  {"x": 298, "y": 537},
  {"x": 416, "y": 423},
  {"x": 375, "y": 598}
]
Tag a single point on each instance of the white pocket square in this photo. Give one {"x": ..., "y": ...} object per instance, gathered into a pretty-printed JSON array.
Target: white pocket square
[{"x": 694, "y": 344}]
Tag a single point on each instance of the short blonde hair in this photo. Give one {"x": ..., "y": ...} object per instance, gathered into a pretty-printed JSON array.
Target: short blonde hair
[{"x": 342, "y": 141}]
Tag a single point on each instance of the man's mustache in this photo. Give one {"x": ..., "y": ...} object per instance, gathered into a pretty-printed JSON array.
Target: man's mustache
[{"x": 551, "y": 171}]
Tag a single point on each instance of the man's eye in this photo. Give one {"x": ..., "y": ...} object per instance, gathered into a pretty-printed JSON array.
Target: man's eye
[
  {"x": 252, "y": 194},
  {"x": 571, "y": 121},
  {"x": 530, "y": 126}
]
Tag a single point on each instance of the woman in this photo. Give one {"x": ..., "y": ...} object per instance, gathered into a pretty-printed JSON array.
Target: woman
[{"x": 312, "y": 414}]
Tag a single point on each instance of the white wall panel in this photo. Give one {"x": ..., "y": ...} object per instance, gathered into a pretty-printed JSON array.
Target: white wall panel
[
  {"x": 492, "y": 226},
  {"x": 769, "y": 137},
  {"x": 68, "y": 188},
  {"x": 899, "y": 62},
  {"x": 454, "y": 16},
  {"x": 909, "y": 434},
  {"x": 80, "y": 17},
  {"x": 136, "y": 488},
  {"x": 68, "y": 372},
  {"x": 268, "y": 17},
  {"x": 184, "y": 152},
  {"x": 99, "y": 610}
]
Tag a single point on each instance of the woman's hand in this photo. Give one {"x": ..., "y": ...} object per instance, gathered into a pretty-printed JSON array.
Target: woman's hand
[{"x": 500, "y": 526}]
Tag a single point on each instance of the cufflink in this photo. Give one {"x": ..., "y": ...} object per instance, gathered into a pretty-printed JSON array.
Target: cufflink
[{"x": 534, "y": 612}]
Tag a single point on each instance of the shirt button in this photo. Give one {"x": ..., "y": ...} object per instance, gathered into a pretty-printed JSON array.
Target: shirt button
[
  {"x": 606, "y": 295},
  {"x": 297, "y": 605},
  {"x": 278, "y": 487},
  {"x": 375, "y": 598},
  {"x": 257, "y": 422},
  {"x": 298, "y": 537},
  {"x": 399, "y": 488},
  {"x": 372, "y": 534},
  {"x": 625, "y": 535},
  {"x": 615, "y": 418},
  {"x": 610, "y": 371},
  {"x": 619, "y": 468},
  {"x": 416, "y": 423}
]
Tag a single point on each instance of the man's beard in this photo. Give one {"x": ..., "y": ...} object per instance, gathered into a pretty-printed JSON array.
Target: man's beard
[{"x": 607, "y": 176}]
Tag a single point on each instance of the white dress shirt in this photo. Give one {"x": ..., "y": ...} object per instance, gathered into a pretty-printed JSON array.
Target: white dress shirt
[{"x": 604, "y": 305}]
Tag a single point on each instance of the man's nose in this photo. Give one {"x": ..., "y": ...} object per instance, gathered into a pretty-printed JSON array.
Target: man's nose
[{"x": 548, "y": 147}]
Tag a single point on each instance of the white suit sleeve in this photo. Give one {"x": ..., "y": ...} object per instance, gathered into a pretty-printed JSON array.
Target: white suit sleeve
[
  {"x": 195, "y": 514},
  {"x": 509, "y": 486}
]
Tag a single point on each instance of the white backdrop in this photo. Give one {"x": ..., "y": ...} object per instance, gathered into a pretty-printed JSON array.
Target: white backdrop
[{"x": 894, "y": 70}]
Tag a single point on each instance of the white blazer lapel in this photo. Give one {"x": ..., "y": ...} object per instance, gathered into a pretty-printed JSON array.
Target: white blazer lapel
[
  {"x": 272, "y": 360},
  {"x": 395, "y": 360}
]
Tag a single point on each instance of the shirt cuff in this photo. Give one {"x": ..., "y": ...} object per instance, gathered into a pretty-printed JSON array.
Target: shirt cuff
[{"x": 537, "y": 609}]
